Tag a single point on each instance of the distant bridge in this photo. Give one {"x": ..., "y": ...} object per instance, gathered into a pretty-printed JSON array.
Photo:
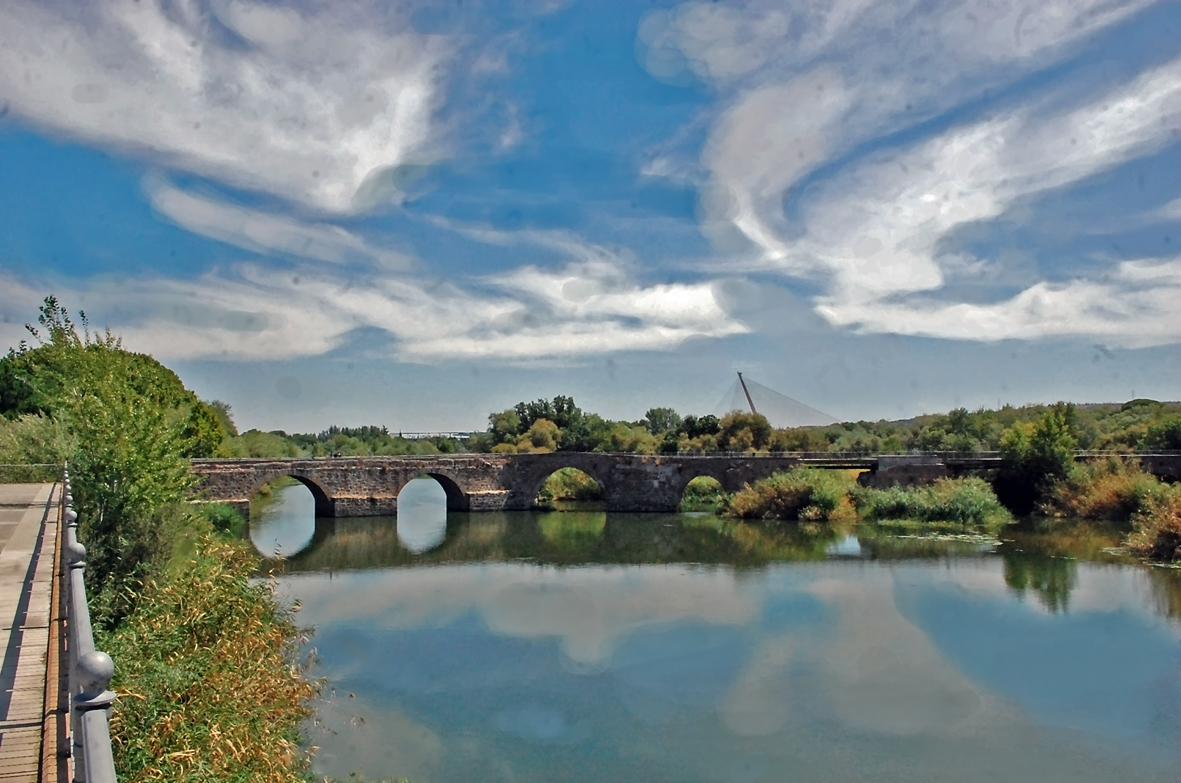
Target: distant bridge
[{"x": 369, "y": 486}]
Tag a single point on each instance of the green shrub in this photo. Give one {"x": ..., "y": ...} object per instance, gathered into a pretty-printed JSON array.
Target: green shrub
[
  {"x": 568, "y": 484},
  {"x": 703, "y": 494},
  {"x": 1113, "y": 490},
  {"x": 806, "y": 494},
  {"x": 224, "y": 520},
  {"x": 967, "y": 501}
]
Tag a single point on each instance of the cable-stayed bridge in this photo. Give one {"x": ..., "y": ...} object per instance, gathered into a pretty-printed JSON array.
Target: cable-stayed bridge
[{"x": 781, "y": 410}]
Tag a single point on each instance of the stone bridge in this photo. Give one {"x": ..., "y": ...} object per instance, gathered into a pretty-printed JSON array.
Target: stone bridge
[{"x": 369, "y": 486}]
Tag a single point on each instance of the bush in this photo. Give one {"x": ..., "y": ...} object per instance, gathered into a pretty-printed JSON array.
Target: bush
[
  {"x": 569, "y": 484},
  {"x": 1156, "y": 532},
  {"x": 703, "y": 494},
  {"x": 224, "y": 520},
  {"x": 806, "y": 494},
  {"x": 207, "y": 686},
  {"x": 1113, "y": 490},
  {"x": 968, "y": 501}
]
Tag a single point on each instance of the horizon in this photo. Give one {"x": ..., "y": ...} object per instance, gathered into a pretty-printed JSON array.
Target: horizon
[{"x": 413, "y": 216}]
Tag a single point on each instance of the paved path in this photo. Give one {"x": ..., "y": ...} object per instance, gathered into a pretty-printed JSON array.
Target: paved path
[{"x": 28, "y": 536}]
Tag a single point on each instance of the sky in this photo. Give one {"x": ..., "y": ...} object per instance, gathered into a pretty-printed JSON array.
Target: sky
[{"x": 414, "y": 214}]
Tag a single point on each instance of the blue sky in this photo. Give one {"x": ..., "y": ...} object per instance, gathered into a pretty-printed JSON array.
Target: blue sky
[{"x": 413, "y": 214}]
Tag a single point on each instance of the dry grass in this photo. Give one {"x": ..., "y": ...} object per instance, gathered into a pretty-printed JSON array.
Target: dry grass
[
  {"x": 1113, "y": 490},
  {"x": 1156, "y": 532},
  {"x": 208, "y": 686}
]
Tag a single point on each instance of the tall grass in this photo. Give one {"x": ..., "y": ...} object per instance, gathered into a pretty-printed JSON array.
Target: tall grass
[
  {"x": 805, "y": 494},
  {"x": 1113, "y": 490},
  {"x": 208, "y": 683},
  {"x": 963, "y": 502}
]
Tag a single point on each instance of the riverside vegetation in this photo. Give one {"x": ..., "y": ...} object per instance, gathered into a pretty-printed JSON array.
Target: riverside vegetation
[
  {"x": 209, "y": 685},
  {"x": 173, "y": 595}
]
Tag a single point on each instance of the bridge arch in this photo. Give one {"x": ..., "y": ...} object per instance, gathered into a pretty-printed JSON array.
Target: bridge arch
[
  {"x": 540, "y": 476},
  {"x": 325, "y": 505},
  {"x": 705, "y": 486},
  {"x": 457, "y": 499}
]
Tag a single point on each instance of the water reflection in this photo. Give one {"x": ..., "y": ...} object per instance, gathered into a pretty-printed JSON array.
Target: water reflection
[
  {"x": 283, "y": 519},
  {"x": 591, "y": 645},
  {"x": 422, "y": 515},
  {"x": 563, "y": 538}
]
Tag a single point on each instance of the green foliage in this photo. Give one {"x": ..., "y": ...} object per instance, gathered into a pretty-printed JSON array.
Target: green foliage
[
  {"x": 698, "y": 426},
  {"x": 740, "y": 431},
  {"x": 1112, "y": 489},
  {"x": 224, "y": 416},
  {"x": 1035, "y": 456},
  {"x": 964, "y": 502},
  {"x": 128, "y": 424},
  {"x": 703, "y": 494},
  {"x": 35, "y": 439},
  {"x": 224, "y": 520},
  {"x": 805, "y": 494},
  {"x": 662, "y": 420},
  {"x": 206, "y": 677},
  {"x": 1164, "y": 435},
  {"x": 541, "y": 437},
  {"x": 569, "y": 484},
  {"x": 261, "y": 445}
]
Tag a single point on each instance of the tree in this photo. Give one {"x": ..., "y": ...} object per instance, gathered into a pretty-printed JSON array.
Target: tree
[
  {"x": 662, "y": 420},
  {"x": 131, "y": 423},
  {"x": 740, "y": 431},
  {"x": 541, "y": 437},
  {"x": 1164, "y": 435},
  {"x": 1034, "y": 457},
  {"x": 695, "y": 426},
  {"x": 224, "y": 415}
]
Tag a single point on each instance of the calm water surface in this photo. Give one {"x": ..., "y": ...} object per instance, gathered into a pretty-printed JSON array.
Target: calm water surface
[{"x": 602, "y": 647}]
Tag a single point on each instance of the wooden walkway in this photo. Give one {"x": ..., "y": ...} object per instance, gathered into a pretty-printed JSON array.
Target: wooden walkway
[{"x": 29, "y": 710}]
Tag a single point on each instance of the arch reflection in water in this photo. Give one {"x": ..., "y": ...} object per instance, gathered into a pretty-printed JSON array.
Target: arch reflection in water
[
  {"x": 422, "y": 515},
  {"x": 282, "y": 518}
]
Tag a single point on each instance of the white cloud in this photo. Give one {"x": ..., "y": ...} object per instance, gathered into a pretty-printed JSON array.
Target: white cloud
[
  {"x": 591, "y": 610},
  {"x": 1136, "y": 306},
  {"x": 260, "y": 313},
  {"x": 317, "y": 107},
  {"x": 873, "y": 233},
  {"x": 876, "y": 229},
  {"x": 263, "y": 232}
]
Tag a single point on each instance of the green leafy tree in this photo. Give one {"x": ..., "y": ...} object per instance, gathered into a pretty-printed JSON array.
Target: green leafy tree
[
  {"x": 1164, "y": 435},
  {"x": 740, "y": 431},
  {"x": 662, "y": 420},
  {"x": 131, "y": 424},
  {"x": 224, "y": 415},
  {"x": 1035, "y": 456}
]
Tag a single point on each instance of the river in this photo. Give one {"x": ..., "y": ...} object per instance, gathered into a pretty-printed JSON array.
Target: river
[{"x": 585, "y": 646}]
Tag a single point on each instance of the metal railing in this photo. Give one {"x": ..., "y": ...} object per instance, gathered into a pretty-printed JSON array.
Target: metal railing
[{"x": 90, "y": 669}]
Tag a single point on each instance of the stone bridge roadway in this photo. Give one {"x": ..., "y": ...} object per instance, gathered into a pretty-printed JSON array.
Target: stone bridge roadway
[{"x": 369, "y": 486}]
